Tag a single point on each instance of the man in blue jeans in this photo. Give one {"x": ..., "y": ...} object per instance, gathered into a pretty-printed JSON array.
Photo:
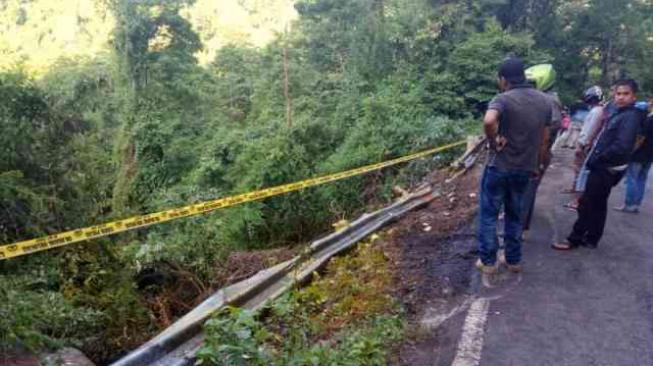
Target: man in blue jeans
[
  {"x": 516, "y": 124},
  {"x": 638, "y": 168}
]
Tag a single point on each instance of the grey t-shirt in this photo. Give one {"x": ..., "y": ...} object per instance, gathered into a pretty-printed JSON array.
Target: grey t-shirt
[
  {"x": 524, "y": 112},
  {"x": 556, "y": 111}
]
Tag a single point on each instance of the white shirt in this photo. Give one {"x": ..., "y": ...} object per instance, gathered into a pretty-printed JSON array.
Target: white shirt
[{"x": 591, "y": 125}]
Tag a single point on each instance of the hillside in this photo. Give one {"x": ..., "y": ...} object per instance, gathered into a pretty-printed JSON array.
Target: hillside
[
  {"x": 131, "y": 125},
  {"x": 38, "y": 32}
]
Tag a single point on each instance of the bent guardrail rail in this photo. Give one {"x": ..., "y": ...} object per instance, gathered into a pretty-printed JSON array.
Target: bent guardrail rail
[{"x": 178, "y": 344}]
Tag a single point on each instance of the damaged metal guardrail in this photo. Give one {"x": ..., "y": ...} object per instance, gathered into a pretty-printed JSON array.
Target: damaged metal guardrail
[{"x": 179, "y": 344}]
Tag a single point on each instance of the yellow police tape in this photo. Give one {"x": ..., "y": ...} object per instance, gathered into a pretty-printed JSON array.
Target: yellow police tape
[{"x": 98, "y": 231}]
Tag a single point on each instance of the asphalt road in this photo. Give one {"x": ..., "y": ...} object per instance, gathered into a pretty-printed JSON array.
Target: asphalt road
[{"x": 585, "y": 307}]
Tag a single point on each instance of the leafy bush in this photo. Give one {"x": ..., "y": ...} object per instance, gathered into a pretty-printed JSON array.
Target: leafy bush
[
  {"x": 35, "y": 317},
  {"x": 96, "y": 278},
  {"x": 236, "y": 338},
  {"x": 346, "y": 317}
]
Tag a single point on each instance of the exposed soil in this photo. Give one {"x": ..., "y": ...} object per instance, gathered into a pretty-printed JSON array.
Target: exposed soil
[
  {"x": 19, "y": 360},
  {"x": 433, "y": 251},
  {"x": 242, "y": 265},
  {"x": 179, "y": 291}
]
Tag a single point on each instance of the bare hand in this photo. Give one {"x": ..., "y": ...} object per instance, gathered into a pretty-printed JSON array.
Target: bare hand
[
  {"x": 500, "y": 143},
  {"x": 539, "y": 172},
  {"x": 580, "y": 151}
]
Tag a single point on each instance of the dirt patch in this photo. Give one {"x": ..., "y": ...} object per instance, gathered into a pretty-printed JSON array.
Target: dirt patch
[
  {"x": 176, "y": 291},
  {"x": 19, "y": 360},
  {"x": 444, "y": 215},
  {"x": 423, "y": 241},
  {"x": 433, "y": 251},
  {"x": 242, "y": 265}
]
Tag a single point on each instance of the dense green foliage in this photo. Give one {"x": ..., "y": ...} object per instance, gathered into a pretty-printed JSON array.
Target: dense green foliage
[
  {"x": 346, "y": 317},
  {"x": 142, "y": 126},
  {"x": 238, "y": 339},
  {"x": 36, "y": 33}
]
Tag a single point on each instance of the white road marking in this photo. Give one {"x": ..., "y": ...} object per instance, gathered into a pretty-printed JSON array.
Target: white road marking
[
  {"x": 433, "y": 321},
  {"x": 470, "y": 345}
]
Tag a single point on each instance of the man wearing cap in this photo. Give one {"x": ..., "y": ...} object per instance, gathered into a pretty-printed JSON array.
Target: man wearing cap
[{"x": 516, "y": 124}]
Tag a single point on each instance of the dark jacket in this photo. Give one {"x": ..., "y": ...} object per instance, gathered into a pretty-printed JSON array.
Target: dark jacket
[
  {"x": 644, "y": 154},
  {"x": 617, "y": 141}
]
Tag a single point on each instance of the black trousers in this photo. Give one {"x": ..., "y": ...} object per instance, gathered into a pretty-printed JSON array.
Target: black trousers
[
  {"x": 529, "y": 201},
  {"x": 593, "y": 207}
]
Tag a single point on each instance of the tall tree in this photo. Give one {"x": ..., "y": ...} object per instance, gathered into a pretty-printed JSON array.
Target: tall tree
[
  {"x": 156, "y": 47},
  {"x": 150, "y": 32},
  {"x": 596, "y": 41},
  {"x": 343, "y": 34}
]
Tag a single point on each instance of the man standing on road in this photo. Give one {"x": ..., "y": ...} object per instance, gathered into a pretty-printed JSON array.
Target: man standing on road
[
  {"x": 637, "y": 172},
  {"x": 591, "y": 129},
  {"x": 543, "y": 76},
  {"x": 516, "y": 124},
  {"x": 607, "y": 164}
]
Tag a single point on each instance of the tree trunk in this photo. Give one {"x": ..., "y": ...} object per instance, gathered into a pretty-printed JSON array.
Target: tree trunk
[
  {"x": 380, "y": 8},
  {"x": 606, "y": 62},
  {"x": 286, "y": 87}
]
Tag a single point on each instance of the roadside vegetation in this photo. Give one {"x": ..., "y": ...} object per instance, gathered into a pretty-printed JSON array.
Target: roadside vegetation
[{"x": 346, "y": 317}]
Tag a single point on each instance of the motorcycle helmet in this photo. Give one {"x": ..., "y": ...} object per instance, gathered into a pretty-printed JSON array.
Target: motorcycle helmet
[
  {"x": 543, "y": 76},
  {"x": 593, "y": 95}
]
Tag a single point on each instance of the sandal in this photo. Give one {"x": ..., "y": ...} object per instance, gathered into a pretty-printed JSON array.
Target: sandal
[
  {"x": 571, "y": 206},
  {"x": 565, "y": 245}
]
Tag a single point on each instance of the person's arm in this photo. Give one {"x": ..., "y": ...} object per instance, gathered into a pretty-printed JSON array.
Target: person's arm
[
  {"x": 592, "y": 123},
  {"x": 556, "y": 113},
  {"x": 491, "y": 128},
  {"x": 550, "y": 127},
  {"x": 583, "y": 136},
  {"x": 544, "y": 155},
  {"x": 491, "y": 123}
]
